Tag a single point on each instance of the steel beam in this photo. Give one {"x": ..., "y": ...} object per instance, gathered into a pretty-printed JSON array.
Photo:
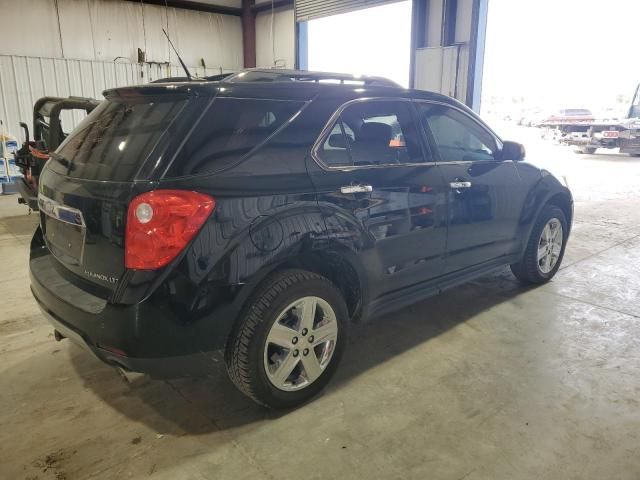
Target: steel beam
[
  {"x": 476, "y": 53},
  {"x": 419, "y": 9},
  {"x": 249, "y": 33}
]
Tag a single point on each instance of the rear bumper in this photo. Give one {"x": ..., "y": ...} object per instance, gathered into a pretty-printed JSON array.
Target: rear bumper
[
  {"x": 148, "y": 337},
  {"x": 197, "y": 364}
]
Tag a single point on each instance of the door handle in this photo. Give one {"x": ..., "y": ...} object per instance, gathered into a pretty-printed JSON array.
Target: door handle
[
  {"x": 459, "y": 185},
  {"x": 356, "y": 188}
]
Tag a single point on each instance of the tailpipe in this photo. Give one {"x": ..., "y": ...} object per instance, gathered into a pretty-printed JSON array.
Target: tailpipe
[{"x": 134, "y": 379}]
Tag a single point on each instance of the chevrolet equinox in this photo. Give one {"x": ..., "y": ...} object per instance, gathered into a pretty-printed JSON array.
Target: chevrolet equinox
[{"x": 256, "y": 215}]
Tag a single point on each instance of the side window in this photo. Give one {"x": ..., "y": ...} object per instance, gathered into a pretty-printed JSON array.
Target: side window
[
  {"x": 376, "y": 132},
  {"x": 457, "y": 136},
  {"x": 228, "y": 131}
]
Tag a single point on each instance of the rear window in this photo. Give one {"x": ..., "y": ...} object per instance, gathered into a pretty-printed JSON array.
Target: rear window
[
  {"x": 116, "y": 138},
  {"x": 228, "y": 131}
]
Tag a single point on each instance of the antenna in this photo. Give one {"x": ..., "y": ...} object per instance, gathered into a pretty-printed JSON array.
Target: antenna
[{"x": 184, "y": 67}]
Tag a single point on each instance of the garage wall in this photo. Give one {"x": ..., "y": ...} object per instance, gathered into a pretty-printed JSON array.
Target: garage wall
[
  {"x": 454, "y": 69},
  {"x": 442, "y": 72},
  {"x": 104, "y": 30},
  {"x": 25, "y": 79},
  {"x": 284, "y": 46},
  {"x": 94, "y": 46}
]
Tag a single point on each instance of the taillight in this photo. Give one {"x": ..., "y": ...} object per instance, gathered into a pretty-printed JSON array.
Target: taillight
[{"x": 160, "y": 223}]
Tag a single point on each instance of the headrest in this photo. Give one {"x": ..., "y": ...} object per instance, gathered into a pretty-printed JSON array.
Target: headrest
[
  {"x": 375, "y": 132},
  {"x": 338, "y": 140}
]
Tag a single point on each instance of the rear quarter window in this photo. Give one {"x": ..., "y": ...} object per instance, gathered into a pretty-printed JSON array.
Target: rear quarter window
[{"x": 229, "y": 130}]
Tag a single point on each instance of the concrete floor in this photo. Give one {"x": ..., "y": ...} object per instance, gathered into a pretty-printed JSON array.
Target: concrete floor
[{"x": 488, "y": 381}]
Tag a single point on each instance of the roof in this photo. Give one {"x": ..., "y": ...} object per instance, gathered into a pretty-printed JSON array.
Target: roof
[{"x": 280, "y": 84}]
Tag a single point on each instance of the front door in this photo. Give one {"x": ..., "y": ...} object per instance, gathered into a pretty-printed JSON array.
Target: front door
[
  {"x": 485, "y": 194},
  {"x": 372, "y": 174}
]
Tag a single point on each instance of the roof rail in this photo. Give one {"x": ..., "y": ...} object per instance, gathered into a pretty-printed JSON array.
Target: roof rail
[
  {"x": 281, "y": 75},
  {"x": 210, "y": 78}
]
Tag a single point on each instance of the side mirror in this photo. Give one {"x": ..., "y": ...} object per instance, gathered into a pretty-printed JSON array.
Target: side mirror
[{"x": 512, "y": 151}]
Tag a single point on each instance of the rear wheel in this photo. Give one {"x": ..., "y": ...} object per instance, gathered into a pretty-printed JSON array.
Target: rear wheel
[
  {"x": 588, "y": 150},
  {"x": 545, "y": 248},
  {"x": 289, "y": 343}
]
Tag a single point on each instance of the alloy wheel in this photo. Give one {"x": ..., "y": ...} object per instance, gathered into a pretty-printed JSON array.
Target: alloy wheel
[
  {"x": 300, "y": 343},
  {"x": 550, "y": 245}
]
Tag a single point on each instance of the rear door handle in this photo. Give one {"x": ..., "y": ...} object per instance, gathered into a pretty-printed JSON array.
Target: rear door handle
[
  {"x": 459, "y": 185},
  {"x": 356, "y": 188}
]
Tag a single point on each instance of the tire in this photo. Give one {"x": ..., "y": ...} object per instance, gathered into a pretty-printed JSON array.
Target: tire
[
  {"x": 588, "y": 150},
  {"x": 257, "y": 366},
  {"x": 529, "y": 269}
]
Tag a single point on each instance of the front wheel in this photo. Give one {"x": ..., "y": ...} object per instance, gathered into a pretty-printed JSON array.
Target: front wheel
[
  {"x": 290, "y": 340},
  {"x": 545, "y": 248}
]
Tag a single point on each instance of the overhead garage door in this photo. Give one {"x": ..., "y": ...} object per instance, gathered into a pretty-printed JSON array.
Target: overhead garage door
[{"x": 310, "y": 9}]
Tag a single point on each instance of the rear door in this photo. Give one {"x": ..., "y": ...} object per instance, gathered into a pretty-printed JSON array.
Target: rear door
[
  {"x": 485, "y": 194},
  {"x": 372, "y": 174}
]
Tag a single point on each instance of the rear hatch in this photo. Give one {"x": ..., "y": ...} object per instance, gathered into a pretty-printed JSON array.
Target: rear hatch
[
  {"x": 157, "y": 137},
  {"x": 88, "y": 183}
]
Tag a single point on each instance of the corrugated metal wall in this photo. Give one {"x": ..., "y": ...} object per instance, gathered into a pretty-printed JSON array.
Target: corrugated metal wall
[
  {"x": 25, "y": 79},
  {"x": 85, "y": 46},
  {"x": 107, "y": 29},
  {"x": 309, "y": 9},
  {"x": 276, "y": 42}
]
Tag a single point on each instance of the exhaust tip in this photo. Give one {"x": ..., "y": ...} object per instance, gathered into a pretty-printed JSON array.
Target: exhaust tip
[
  {"x": 133, "y": 379},
  {"x": 58, "y": 336}
]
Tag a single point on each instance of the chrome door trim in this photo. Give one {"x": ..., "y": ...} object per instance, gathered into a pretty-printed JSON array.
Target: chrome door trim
[
  {"x": 324, "y": 134},
  {"x": 326, "y": 130}
]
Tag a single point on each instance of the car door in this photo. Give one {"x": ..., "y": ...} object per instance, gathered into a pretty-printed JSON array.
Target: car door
[
  {"x": 373, "y": 174},
  {"x": 485, "y": 194}
]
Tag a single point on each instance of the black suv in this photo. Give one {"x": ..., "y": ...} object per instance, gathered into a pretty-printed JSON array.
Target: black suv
[{"x": 260, "y": 214}]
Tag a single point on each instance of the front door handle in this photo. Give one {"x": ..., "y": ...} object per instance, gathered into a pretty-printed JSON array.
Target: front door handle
[
  {"x": 459, "y": 185},
  {"x": 356, "y": 188}
]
